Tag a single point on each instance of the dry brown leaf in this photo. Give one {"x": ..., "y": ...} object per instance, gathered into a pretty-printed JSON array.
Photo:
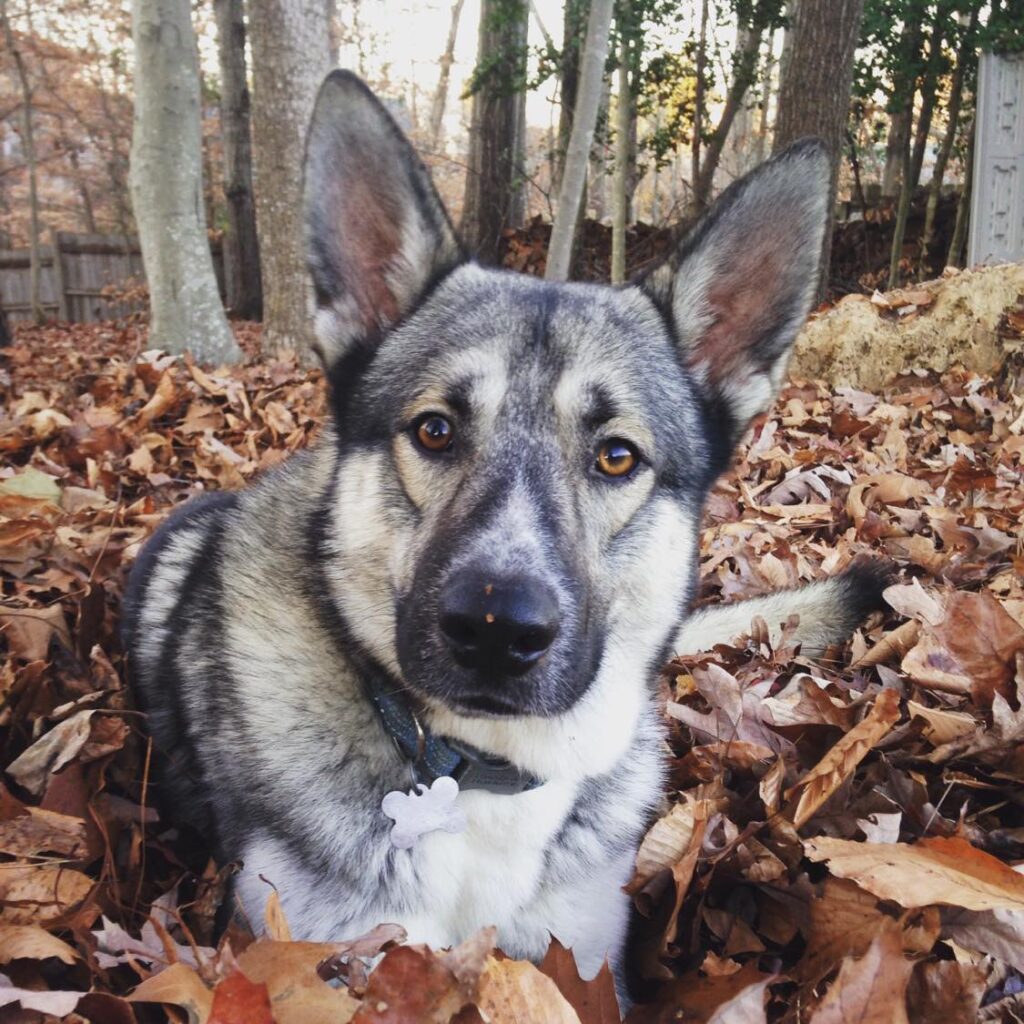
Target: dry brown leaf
[
  {"x": 932, "y": 666},
  {"x": 38, "y": 831},
  {"x": 237, "y": 1000},
  {"x": 516, "y": 992},
  {"x": 943, "y": 726},
  {"x": 412, "y": 984},
  {"x": 840, "y": 762},
  {"x": 946, "y": 871},
  {"x": 666, "y": 841},
  {"x": 35, "y": 894},
  {"x": 30, "y": 631},
  {"x": 594, "y": 1001},
  {"x": 275, "y": 921},
  {"x": 997, "y": 933},
  {"x": 869, "y": 990},
  {"x": 180, "y": 986},
  {"x": 945, "y": 991},
  {"x": 164, "y": 398},
  {"x": 893, "y": 645},
  {"x": 29, "y": 941},
  {"x": 984, "y": 641},
  {"x": 53, "y": 750}
]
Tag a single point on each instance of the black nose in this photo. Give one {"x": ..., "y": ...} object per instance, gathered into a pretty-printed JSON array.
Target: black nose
[{"x": 501, "y": 626}]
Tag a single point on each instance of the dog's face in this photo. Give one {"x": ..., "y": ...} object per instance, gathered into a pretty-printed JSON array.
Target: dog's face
[{"x": 522, "y": 465}]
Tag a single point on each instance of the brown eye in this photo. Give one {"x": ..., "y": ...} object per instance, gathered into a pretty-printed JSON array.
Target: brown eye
[
  {"x": 434, "y": 433},
  {"x": 617, "y": 458}
]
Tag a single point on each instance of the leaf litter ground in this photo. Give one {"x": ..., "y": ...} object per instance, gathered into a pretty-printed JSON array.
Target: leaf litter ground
[{"x": 842, "y": 839}]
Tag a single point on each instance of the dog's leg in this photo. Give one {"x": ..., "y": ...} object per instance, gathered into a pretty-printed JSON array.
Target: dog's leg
[{"x": 829, "y": 612}]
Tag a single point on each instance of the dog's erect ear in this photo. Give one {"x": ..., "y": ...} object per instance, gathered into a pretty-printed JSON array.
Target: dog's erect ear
[
  {"x": 377, "y": 233},
  {"x": 740, "y": 284}
]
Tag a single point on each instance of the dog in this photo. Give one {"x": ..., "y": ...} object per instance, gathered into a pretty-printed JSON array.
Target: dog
[{"x": 409, "y": 676}]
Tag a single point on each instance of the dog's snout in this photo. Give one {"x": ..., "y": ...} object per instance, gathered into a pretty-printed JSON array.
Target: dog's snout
[{"x": 499, "y": 626}]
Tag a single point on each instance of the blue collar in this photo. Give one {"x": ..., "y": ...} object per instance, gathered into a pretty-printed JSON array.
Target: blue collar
[{"x": 432, "y": 757}]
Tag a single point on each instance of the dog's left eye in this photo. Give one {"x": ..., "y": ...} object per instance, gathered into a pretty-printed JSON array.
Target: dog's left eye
[
  {"x": 433, "y": 433},
  {"x": 616, "y": 458}
]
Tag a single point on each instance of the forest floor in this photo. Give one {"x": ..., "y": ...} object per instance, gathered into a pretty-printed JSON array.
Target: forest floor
[{"x": 842, "y": 839}]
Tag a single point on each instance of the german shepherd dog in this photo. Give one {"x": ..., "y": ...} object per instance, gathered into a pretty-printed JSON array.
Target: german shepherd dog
[{"x": 409, "y": 676}]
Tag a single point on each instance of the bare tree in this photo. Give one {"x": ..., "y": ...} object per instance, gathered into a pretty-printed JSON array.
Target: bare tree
[
  {"x": 624, "y": 105},
  {"x": 965, "y": 57},
  {"x": 743, "y": 74},
  {"x": 440, "y": 101},
  {"x": 290, "y": 56},
  {"x": 495, "y": 179},
  {"x": 241, "y": 244},
  {"x": 574, "y": 27},
  {"x": 814, "y": 94},
  {"x": 588, "y": 98},
  {"x": 29, "y": 149},
  {"x": 167, "y": 186}
]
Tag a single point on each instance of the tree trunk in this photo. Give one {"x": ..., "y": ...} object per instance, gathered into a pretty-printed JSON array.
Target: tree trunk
[
  {"x": 290, "y": 55},
  {"x": 495, "y": 144},
  {"x": 624, "y": 103},
  {"x": 596, "y": 192},
  {"x": 929, "y": 84},
  {"x": 902, "y": 212},
  {"x": 167, "y": 186},
  {"x": 963, "y": 207},
  {"x": 595, "y": 50},
  {"x": 698, "y": 99},
  {"x": 965, "y": 56},
  {"x": 743, "y": 75},
  {"x": 82, "y": 183},
  {"x": 440, "y": 101},
  {"x": 761, "y": 141},
  {"x": 814, "y": 94},
  {"x": 899, "y": 129},
  {"x": 29, "y": 147},
  {"x": 574, "y": 26},
  {"x": 241, "y": 245}
]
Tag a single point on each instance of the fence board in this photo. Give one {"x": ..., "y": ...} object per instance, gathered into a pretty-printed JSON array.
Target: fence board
[{"x": 75, "y": 270}]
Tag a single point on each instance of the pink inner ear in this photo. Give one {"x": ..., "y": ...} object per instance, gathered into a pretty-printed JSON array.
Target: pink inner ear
[
  {"x": 742, "y": 301},
  {"x": 370, "y": 236}
]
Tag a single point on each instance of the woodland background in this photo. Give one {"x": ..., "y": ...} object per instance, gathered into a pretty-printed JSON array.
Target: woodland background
[
  {"x": 685, "y": 98},
  {"x": 841, "y": 839}
]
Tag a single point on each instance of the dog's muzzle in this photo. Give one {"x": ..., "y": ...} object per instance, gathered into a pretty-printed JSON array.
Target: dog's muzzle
[{"x": 497, "y": 626}]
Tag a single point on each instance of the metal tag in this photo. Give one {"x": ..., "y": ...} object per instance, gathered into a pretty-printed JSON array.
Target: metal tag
[{"x": 428, "y": 810}]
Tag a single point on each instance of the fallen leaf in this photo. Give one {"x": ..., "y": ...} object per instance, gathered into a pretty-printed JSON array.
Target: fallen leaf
[
  {"x": 945, "y": 991},
  {"x": 947, "y": 871},
  {"x": 51, "y": 752},
  {"x": 839, "y": 763},
  {"x": 871, "y": 989},
  {"x": 29, "y": 941},
  {"x": 180, "y": 986},
  {"x": 237, "y": 1000},
  {"x": 39, "y": 831},
  {"x": 516, "y": 992},
  {"x": 34, "y": 894},
  {"x": 594, "y": 1001},
  {"x": 29, "y": 631}
]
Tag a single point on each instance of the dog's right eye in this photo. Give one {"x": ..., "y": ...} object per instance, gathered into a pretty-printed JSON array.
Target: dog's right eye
[{"x": 433, "y": 433}]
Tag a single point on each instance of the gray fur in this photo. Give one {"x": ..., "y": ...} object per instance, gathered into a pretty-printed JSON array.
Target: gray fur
[{"x": 257, "y": 622}]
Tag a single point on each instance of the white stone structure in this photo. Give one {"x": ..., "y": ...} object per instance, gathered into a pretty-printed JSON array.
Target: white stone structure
[{"x": 997, "y": 206}]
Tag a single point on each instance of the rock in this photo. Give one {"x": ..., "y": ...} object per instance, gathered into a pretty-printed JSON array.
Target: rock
[{"x": 865, "y": 341}]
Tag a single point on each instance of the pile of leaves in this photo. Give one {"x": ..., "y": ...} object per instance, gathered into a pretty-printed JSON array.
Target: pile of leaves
[{"x": 842, "y": 839}]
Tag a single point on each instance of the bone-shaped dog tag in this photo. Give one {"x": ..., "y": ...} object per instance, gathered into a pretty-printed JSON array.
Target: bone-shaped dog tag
[{"x": 428, "y": 810}]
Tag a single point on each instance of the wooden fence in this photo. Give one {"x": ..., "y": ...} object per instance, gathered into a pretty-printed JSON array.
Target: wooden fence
[{"x": 75, "y": 270}]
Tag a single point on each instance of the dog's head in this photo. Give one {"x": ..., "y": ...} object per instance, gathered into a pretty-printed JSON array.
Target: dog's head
[{"x": 522, "y": 465}]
